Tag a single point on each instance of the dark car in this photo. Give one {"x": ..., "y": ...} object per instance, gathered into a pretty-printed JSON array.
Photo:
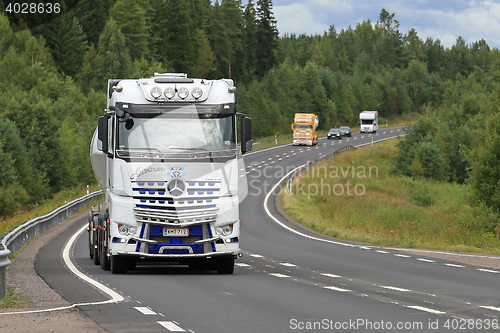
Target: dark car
[
  {"x": 334, "y": 133},
  {"x": 345, "y": 131}
]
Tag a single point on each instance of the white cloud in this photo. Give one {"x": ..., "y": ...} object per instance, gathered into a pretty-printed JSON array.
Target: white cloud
[{"x": 298, "y": 18}]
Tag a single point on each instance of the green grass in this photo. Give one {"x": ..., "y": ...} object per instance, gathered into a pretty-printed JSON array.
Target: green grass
[
  {"x": 9, "y": 301},
  {"x": 388, "y": 210},
  {"x": 10, "y": 222}
]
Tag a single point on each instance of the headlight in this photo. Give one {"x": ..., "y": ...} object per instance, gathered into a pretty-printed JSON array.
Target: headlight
[
  {"x": 224, "y": 230},
  {"x": 183, "y": 92},
  {"x": 196, "y": 92},
  {"x": 156, "y": 92},
  {"x": 126, "y": 230},
  {"x": 169, "y": 92}
]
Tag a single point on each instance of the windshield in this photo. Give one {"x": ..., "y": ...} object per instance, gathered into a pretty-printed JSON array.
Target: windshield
[
  {"x": 334, "y": 131},
  {"x": 366, "y": 121},
  {"x": 344, "y": 128},
  {"x": 302, "y": 127},
  {"x": 177, "y": 133}
]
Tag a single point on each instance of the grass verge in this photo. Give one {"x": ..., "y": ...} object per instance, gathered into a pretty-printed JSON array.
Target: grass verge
[
  {"x": 355, "y": 196},
  {"x": 67, "y": 195}
]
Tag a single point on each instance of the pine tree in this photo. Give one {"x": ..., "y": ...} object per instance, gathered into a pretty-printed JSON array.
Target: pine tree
[
  {"x": 92, "y": 15},
  {"x": 131, "y": 19},
  {"x": 267, "y": 37},
  {"x": 112, "y": 60},
  {"x": 250, "y": 38}
]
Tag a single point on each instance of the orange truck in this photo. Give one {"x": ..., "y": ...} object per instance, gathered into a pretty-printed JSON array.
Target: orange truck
[{"x": 304, "y": 129}]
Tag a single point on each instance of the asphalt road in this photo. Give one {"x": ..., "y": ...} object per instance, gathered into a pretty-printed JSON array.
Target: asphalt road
[{"x": 288, "y": 280}]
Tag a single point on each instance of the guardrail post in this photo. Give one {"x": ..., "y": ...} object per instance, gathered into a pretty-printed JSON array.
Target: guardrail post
[{"x": 4, "y": 262}]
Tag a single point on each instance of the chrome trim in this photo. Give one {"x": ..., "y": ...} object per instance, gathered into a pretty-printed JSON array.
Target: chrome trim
[
  {"x": 194, "y": 255},
  {"x": 143, "y": 240},
  {"x": 176, "y": 214},
  {"x": 169, "y": 247},
  {"x": 180, "y": 224},
  {"x": 209, "y": 240}
]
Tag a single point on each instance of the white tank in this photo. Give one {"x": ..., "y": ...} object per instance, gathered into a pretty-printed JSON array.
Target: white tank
[{"x": 98, "y": 161}]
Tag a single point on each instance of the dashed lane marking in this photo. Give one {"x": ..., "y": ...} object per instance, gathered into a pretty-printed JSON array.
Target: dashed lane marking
[
  {"x": 422, "y": 308},
  {"x": 330, "y": 275},
  {"x": 287, "y": 264},
  {"x": 425, "y": 260},
  {"x": 279, "y": 275},
  {"x": 395, "y": 288},
  {"x": 454, "y": 265},
  {"x": 494, "y": 308},
  {"x": 241, "y": 264},
  {"x": 256, "y": 255},
  {"x": 145, "y": 310},
  {"x": 337, "y": 289},
  {"x": 171, "y": 326},
  {"x": 488, "y": 270},
  {"x": 402, "y": 256},
  {"x": 383, "y": 252}
]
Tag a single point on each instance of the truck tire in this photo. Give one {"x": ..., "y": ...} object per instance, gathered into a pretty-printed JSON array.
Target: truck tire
[
  {"x": 118, "y": 265},
  {"x": 225, "y": 265},
  {"x": 95, "y": 241},
  {"x": 103, "y": 231}
]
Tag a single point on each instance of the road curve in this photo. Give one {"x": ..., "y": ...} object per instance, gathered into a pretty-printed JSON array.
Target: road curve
[{"x": 289, "y": 279}]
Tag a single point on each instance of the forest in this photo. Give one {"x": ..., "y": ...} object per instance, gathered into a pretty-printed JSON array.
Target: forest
[{"x": 53, "y": 77}]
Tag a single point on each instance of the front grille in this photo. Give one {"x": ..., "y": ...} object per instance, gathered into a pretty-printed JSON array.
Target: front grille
[{"x": 198, "y": 204}]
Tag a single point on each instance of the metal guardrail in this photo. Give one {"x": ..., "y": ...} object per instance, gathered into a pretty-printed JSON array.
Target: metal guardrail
[{"x": 12, "y": 240}]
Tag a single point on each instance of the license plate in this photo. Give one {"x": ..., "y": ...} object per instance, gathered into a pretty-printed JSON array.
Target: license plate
[{"x": 179, "y": 232}]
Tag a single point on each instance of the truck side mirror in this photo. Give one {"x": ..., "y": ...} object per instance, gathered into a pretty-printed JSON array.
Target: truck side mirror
[
  {"x": 246, "y": 134},
  {"x": 102, "y": 133}
]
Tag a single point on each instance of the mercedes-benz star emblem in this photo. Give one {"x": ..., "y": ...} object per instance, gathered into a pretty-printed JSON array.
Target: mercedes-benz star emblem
[{"x": 176, "y": 187}]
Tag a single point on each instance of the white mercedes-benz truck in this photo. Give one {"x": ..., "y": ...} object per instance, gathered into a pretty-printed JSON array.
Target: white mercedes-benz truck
[
  {"x": 166, "y": 157},
  {"x": 368, "y": 121}
]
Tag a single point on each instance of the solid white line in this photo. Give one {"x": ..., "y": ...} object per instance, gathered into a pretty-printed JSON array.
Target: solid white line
[
  {"x": 337, "y": 289},
  {"x": 395, "y": 288},
  {"x": 330, "y": 275},
  {"x": 144, "y": 310},
  {"x": 421, "y": 308},
  {"x": 169, "y": 325},
  {"x": 279, "y": 275},
  {"x": 115, "y": 297},
  {"x": 453, "y": 265}
]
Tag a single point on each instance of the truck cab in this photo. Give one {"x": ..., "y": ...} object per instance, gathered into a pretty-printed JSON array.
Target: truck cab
[
  {"x": 304, "y": 129},
  {"x": 166, "y": 156}
]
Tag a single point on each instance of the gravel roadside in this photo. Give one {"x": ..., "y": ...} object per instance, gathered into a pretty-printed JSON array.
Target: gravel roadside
[{"x": 39, "y": 314}]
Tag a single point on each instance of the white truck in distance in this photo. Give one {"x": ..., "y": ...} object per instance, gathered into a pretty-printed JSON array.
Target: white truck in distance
[
  {"x": 368, "y": 121},
  {"x": 166, "y": 157}
]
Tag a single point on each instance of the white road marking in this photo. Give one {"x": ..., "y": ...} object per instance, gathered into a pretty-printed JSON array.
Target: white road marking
[
  {"x": 279, "y": 275},
  {"x": 330, "y": 275},
  {"x": 425, "y": 260},
  {"x": 256, "y": 255},
  {"x": 453, "y": 265},
  {"x": 241, "y": 264},
  {"x": 494, "y": 308},
  {"x": 287, "y": 264},
  {"x": 487, "y": 270},
  {"x": 365, "y": 248},
  {"x": 402, "y": 255},
  {"x": 421, "y": 308},
  {"x": 337, "y": 289},
  {"x": 171, "y": 326},
  {"x": 144, "y": 310},
  {"x": 383, "y": 252},
  {"x": 395, "y": 288}
]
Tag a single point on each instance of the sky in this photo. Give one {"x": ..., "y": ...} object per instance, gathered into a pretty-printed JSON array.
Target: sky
[{"x": 445, "y": 20}]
